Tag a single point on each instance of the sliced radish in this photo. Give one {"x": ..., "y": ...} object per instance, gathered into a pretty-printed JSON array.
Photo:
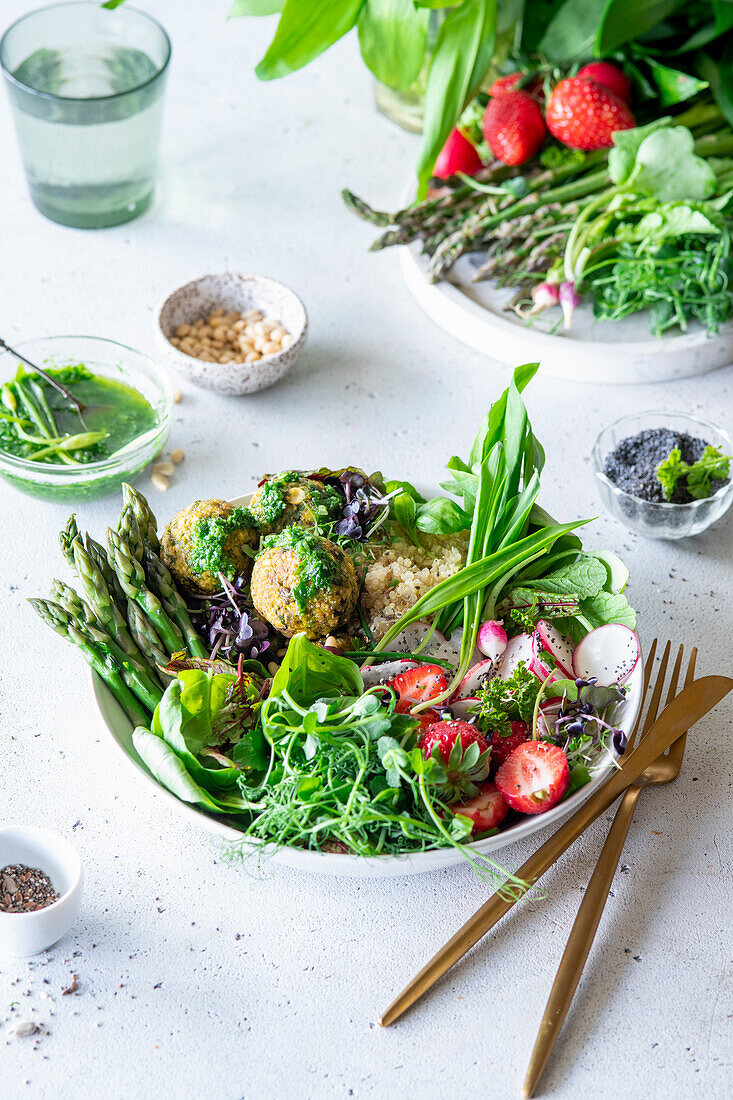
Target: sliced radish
[
  {"x": 519, "y": 648},
  {"x": 375, "y": 674},
  {"x": 609, "y": 654},
  {"x": 551, "y": 653},
  {"x": 549, "y": 711},
  {"x": 474, "y": 678},
  {"x": 465, "y": 708},
  {"x": 492, "y": 639}
]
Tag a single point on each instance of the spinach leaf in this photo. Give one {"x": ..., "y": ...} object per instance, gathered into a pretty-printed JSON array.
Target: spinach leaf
[
  {"x": 393, "y": 40},
  {"x": 309, "y": 672},
  {"x": 583, "y": 578},
  {"x": 608, "y": 607},
  {"x": 190, "y": 705},
  {"x": 622, "y": 155},
  {"x": 667, "y": 167},
  {"x": 171, "y": 772},
  {"x": 463, "y": 51},
  {"x": 306, "y": 29}
]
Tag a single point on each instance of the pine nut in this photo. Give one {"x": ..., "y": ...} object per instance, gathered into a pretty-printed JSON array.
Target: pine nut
[
  {"x": 165, "y": 468},
  {"x": 177, "y": 395},
  {"x": 231, "y": 337},
  {"x": 159, "y": 482},
  {"x": 177, "y": 455}
]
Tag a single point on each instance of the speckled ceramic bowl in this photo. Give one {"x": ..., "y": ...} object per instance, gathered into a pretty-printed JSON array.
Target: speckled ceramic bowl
[{"x": 233, "y": 292}]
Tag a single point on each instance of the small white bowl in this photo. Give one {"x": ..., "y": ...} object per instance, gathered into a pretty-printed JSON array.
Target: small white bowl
[
  {"x": 241, "y": 293},
  {"x": 28, "y": 933}
]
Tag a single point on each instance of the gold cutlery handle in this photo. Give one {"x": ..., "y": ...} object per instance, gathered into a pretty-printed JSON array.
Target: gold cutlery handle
[
  {"x": 581, "y": 937},
  {"x": 689, "y": 706}
]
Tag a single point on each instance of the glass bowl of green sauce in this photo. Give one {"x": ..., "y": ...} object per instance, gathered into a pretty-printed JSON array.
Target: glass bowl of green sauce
[{"x": 47, "y": 449}]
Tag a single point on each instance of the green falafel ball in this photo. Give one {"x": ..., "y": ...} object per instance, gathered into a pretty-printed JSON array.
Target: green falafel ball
[
  {"x": 205, "y": 539},
  {"x": 293, "y": 498},
  {"x": 303, "y": 582}
]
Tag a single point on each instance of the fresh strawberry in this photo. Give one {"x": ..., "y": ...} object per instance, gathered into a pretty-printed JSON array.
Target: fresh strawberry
[
  {"x": 583, "y": 115},
  {"x": 487, "y": 809},
  {"x": 506, "y": 83},
  {"x": 418, "y": 685},
  {"x": 608, "y": 76},
  {"x": 501, "y": 747},
  {"x": 513, "y": 126},
  {"x": 427, "y": 718},
  {"x": 534, "y": 777},
  {"x": 463, "y": 755},
  {"x": 457, "y": 155}
]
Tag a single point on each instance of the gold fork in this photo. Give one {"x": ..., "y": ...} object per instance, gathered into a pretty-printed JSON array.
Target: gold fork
[
  {"x": 663, "y": 770},
  {"x": 690, "y": 706}
]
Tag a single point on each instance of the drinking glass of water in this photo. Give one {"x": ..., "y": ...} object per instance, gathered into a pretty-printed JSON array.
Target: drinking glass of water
[{"x": 86, "y": 87}]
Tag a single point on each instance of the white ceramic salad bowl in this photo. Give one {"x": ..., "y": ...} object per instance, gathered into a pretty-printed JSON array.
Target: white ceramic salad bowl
[{"x": 333, "y": 863}]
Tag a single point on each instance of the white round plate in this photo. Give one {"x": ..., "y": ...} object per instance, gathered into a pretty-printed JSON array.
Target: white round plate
[
  {"x": 333, "y": 863},
  {"x": 592, "y": 351}
]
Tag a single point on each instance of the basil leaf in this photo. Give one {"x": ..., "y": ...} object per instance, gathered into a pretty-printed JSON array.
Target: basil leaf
[
  {"x": 404, "y": 511},
  {"x": 306, "y": 29},
  {"x": 255, "y": 7},
  {"x": 393, "y": 40},
  {"x": 463, "y": 52},
  {"x": 441, "y": 516}
]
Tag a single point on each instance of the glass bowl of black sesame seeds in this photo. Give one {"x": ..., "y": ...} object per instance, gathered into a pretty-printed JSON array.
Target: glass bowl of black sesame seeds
[{"x": 664, "y": 475}]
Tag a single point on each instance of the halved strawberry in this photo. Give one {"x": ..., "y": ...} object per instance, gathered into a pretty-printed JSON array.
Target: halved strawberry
[
  {"x": 502, "y": 747},
  {"x": 462, "y": 754},
  {"x": 534, "y": 777},
  {"x": 418, "y": 685},
  {"x": 487, "y": 809}
]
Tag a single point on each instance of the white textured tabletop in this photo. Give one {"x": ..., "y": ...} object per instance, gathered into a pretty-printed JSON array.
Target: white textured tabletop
[{"x": 195, "y": 977}]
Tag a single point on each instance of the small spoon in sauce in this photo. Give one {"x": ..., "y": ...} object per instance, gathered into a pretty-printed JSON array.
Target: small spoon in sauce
[{"x": 77, "y": 405}]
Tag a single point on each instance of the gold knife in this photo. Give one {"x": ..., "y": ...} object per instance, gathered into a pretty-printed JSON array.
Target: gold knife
[{"x": 693, "y": 702}]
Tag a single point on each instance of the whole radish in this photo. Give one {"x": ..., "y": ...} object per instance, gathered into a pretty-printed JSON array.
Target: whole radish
[{"x": 457, "y": 155}]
